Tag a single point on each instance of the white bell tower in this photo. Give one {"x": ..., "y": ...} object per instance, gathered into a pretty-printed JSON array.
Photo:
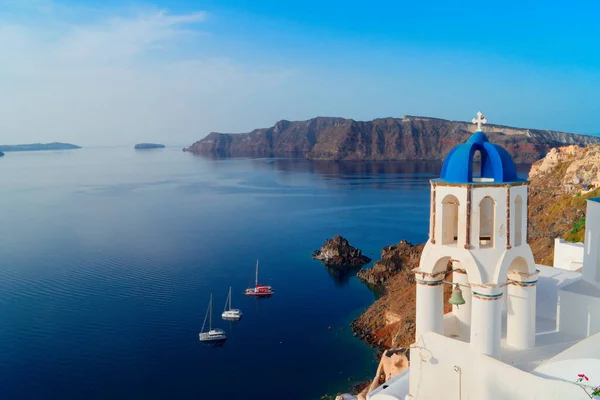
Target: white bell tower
[{"x": 478, "y": 226}]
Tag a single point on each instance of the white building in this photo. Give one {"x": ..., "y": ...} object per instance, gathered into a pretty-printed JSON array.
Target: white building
[{"x": 525, "y": 331}]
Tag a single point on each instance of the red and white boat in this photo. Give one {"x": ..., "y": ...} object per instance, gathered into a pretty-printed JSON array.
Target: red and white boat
[{"x": 259, "y": 290}]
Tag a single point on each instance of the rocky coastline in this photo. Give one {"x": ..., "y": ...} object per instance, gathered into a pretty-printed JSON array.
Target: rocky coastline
[
  {"x": 401, "y": 256},
  {"x": 382, "y": 139},
  {"x": 339, "y": 253}
]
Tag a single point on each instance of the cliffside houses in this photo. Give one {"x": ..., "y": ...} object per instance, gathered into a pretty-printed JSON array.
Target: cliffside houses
[{"x": 525, "y": 331}]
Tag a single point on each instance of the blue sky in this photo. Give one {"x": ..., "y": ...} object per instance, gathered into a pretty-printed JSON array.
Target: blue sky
[{"x": 114, "y": 72}]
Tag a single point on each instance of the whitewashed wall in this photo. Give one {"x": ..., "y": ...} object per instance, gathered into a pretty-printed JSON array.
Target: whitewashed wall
[
  {"x": 433, "y": 375},
  {"x": 568, "y": 255},
  {"x": 591, "y": 257},
  {"x": 579, "y": 309}
]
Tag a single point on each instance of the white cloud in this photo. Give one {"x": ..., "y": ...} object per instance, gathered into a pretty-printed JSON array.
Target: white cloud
[{"x": 119, "y": 79}]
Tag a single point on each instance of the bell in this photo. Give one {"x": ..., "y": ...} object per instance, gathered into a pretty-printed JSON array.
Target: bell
[{"x": 457, "y": 297}]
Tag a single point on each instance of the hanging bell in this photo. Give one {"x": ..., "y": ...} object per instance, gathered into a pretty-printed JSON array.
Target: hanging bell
[{"x": 457, "y": 297}]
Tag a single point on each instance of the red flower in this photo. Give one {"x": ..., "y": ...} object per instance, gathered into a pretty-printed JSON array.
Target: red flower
[{"x": 582, "y": 376}]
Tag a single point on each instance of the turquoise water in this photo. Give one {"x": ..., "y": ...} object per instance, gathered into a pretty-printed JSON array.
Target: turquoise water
[{"x": 108, "y": 257}]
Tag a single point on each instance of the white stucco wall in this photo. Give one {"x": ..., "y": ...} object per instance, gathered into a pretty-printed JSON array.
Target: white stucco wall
[
  {"x": 568, "y": 255},
  {"x": 582, "y": 358},
  {"x": 591, "y": 257},
  {"x": 433, "y": 375},
  {"x": 547, "y": 290},
  {"x": 579, "y": 309}
]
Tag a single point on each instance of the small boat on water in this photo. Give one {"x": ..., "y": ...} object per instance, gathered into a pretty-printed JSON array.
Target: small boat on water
[
  {"x": 259, "y": 290},
  {"x": 212, "y": 335},
  {"x": 229, "y": 313}
]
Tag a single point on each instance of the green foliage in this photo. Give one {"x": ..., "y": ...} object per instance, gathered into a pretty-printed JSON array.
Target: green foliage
[
  {"x": 577, "y": 232},
  {"x": 578, "y": 225}
]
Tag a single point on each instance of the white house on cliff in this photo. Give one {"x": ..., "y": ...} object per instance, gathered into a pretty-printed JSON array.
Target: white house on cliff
[{"x": 525, "y": 331}]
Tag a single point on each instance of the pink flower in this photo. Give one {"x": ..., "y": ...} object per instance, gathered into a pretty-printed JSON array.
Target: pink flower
[{"x": 582, "y": 376}]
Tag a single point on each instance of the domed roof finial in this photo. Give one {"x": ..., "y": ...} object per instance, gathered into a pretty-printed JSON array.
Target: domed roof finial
[{"x": 479, "y": 120}]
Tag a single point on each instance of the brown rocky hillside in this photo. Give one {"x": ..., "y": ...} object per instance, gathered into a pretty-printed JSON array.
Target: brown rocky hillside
[
  {"x": 559, "y": 187},
  {"x": 408, "y": 138}
]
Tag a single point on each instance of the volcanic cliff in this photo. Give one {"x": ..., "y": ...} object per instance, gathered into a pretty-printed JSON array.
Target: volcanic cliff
[{"x": 407, "y": 138}]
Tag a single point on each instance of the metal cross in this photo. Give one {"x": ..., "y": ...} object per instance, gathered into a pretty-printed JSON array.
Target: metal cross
[{"x": 479, "y": 120}]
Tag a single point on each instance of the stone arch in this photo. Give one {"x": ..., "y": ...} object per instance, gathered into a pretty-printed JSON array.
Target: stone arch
[
  {"x": 487, "y": 217},
  {"x": 432, "y": 261},
  {"x": 519, "y": 221},
  {"x": 519, "y": 259},
  {"x": 450, "y": 205},
  {"x": 519, "y": 264}
]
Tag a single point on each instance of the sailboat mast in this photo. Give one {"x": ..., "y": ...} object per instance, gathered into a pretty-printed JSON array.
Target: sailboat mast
[
  {"x": 205, "y": 317},
  {"x": 210, "y": 321},
  {"x": 229, "y": 298},
  {"x": 256, "y": 272}
]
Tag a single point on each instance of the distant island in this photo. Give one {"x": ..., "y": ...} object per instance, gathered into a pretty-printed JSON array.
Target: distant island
[
  {"x": 383, "y": 139},
  {"x": 144, "y": 146},
  {"x": 38, "y": 146}
]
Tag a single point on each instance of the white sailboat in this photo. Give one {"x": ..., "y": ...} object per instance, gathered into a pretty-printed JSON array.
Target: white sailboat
[
  {"x": 212, "y": 335},
  {"x": 231, "y": 313}
]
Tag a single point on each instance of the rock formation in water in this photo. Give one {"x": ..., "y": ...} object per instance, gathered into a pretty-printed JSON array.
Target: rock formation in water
[
  {"x": 1, "y": 154},
  {"x": 38, "y": 146},
  {"x": 559, "y": 186},
  {"x": 408, "y": 138},
  {"x": 145, "y": 146},
  {"x": 401, "y": 256},
  {"x": 337, "y": 251}
]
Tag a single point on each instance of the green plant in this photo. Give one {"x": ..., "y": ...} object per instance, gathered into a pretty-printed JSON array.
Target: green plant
[
  {"x": 578, "y": 225},
  {"x": 583, "y": 377}
]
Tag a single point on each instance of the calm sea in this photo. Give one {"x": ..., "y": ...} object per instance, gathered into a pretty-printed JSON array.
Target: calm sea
[{"x": 108, "y": 257}]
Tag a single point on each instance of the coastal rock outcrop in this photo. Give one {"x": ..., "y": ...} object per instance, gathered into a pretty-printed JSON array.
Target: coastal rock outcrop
[
  {"x": 401, "y": 256},
  {"x": 338, "y": 252},
  {"x": 1, "y": 154},
  {"x": 145, "y": 146},
  {"x": 383, "y": 139},
  {"x": 560, "y": 185}
]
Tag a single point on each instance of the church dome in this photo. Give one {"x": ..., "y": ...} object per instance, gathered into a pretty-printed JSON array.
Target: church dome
[{"x": 497, "y": 165}]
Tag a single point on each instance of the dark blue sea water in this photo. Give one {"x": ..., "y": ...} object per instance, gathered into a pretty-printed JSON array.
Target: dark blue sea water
[{"x": 108, "y": 257}]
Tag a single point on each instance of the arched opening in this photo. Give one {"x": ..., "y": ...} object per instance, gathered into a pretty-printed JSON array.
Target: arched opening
[
  {"x": 457, "y": 319},
  {"x": 518, "y": 325},
  {"x": 487, "y": 211},
  {"x": 519, "y": 221},
  {"x": 519, "y": 264},
  {"x": 477, "y": 166},
  {"x": 480, "y": 168},
  {"x": 450, "y": 220}
]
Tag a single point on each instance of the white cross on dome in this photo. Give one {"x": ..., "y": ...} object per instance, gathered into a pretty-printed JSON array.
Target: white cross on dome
[{"x": 479, "y": 120}]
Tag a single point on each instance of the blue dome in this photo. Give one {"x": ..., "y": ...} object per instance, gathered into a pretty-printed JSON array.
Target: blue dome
[{"x": 496, "y": 164}]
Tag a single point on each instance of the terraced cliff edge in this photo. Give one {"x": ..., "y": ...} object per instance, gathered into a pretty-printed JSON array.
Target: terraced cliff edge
[
  {"x": 559, "y": 186},
  {"x": 407, "y": 138}
]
